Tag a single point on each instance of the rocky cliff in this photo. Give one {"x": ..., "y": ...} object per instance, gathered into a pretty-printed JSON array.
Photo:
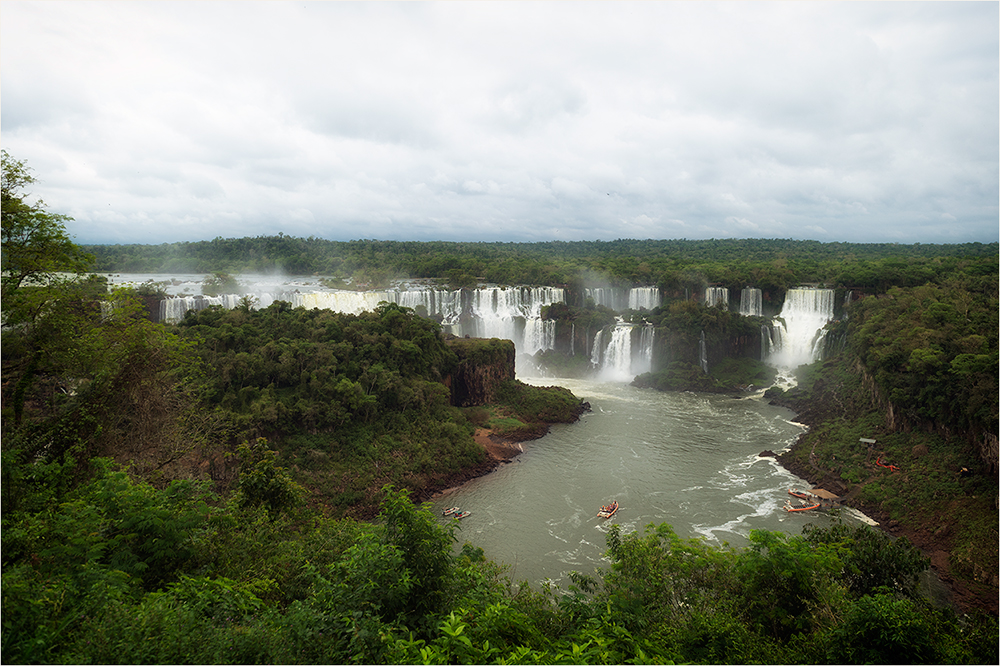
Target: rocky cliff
[{"x": 483, "y": 365}]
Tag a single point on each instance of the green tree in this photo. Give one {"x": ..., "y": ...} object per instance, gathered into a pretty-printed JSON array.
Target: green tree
[{"x": 35, "y": 244}]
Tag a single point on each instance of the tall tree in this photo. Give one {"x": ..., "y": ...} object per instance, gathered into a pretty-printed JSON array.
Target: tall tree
[{"x": 36, "y": 246}]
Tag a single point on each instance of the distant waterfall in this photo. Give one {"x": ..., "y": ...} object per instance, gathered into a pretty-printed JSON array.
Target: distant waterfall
[
  {"x": 511, "y": 313},
  {"x": 750, "y": 302},
  {"x": 644, "y": 298},
  {"x": 766, "y": 343},
  {"x": 619, "y": 359},
  {"x": 172, "y": 310},
  {"x": 714, "y": 295},
  {"x": 349, "y": 302},
  {"x": 799, "y": 338},
  {"x": 703, "y": 353},
  {"x": 620, "y": 299}
]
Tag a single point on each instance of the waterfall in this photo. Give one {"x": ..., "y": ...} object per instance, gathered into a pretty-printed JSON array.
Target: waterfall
[
  {"x": 715, "y": 295},
  {"x": 750, "y": 302},
  {"x": 615, "y": 298},
  {"x": 595, "y": 354},
  {"x": 765, "y": 342},
  {"x": 644, "y": 297},
  {"x": 572, "y": 338},
  {"x": 620, "y": 299},
  {"x": 172, "y": 310},
  {"x": 620, "y": 360},
  {"x": 350, "y": 302},
  {"x": 642, "y": 360},
  {"x": 511, "y": 313},
  {"x": 703, "y": 353},
  {"x": 798, "y": 339}
]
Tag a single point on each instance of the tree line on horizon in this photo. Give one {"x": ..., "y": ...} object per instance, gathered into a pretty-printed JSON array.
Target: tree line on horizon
[{"x": 672, "y": 265}]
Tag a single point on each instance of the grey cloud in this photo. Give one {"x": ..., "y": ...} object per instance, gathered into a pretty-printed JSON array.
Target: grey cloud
[{"x": 152, "y": 122}]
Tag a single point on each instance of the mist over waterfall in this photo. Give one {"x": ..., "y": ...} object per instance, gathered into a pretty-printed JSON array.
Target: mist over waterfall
[
  {"x": 751, "y": 302},
  {"x": 715, "y": 296},
  {"x": 628, "y": 351},
  {"x": 798, "y": 337}
]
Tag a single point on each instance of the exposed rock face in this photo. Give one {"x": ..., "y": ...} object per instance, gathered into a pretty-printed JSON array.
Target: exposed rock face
[{"x": 483, "y": 364}]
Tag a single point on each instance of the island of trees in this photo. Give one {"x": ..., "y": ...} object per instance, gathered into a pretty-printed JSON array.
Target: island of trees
[{"x": 244, "y": 486}]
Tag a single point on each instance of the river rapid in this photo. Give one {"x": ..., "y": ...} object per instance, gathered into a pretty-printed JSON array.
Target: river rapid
[{"x": 687, "y": 459}]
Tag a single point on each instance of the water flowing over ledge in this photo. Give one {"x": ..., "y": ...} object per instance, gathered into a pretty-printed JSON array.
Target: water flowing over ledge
[{"x": 618, "y": 353}]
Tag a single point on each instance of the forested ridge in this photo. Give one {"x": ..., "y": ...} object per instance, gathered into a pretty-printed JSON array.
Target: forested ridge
[
  {"x": 239, "y": 488},
  {"x": 672, "y": 265}
]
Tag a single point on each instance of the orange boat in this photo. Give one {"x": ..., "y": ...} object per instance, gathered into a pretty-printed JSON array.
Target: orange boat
[{"x": 608, "y": 510}]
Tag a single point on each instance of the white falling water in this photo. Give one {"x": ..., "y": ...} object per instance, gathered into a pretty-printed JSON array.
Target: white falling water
[
  {"x": 643, "y": 360},
  {"x": 595, "y": 354},
  {"x": 349, "y": 302},
  {"x": 617, "y": 360},
  {"x": 443, "y": 303},
  {"x": 511, "y": 313},
  {"x": 750, "y": 302},
  {"x": 717, "y": 295},
  {"x": 703, "y": 353},
  {"x": 615, "y": 298},
  {"x": 799, "y": 340},
  {"x": 620, "y": 299},
  {"x": 644, "y": 297}
]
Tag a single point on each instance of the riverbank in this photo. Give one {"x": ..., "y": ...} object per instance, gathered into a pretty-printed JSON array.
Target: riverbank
[
  {"x": 924, "y": 499},
  {"x": 500, "y": 450}
]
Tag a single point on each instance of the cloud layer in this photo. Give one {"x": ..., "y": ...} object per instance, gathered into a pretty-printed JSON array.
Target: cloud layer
[{"x": 159, "y": 122}]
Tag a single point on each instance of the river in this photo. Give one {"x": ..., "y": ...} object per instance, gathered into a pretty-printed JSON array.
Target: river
[{"x": 687, "y": 459}]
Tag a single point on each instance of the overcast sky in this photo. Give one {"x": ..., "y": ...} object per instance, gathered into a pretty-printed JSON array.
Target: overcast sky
[{"x": 172, "y": 121}]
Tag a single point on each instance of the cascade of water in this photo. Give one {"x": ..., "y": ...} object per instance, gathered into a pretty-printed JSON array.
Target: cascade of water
[
  {"x": 512, "y": 313},
  {"x": 615, "y": 298},
  {"x": 703, "y": 353},
  {"x": 442, "y": 303},
  {"x": 572, "y": 338},
  {"x": 765, "y": 342},
  {"x": 715, "y": 295},
  {"x": 750, "y": 302},
  {"x": 595, "y": 355},
  {"x": 644, "y": 297},
  {"x": 798, "y": 340},
  {"x": 172, "y": 310},
  {"x": 619, "y": 359},
  {"x": 642, "y": 360},
  {"x": 350, "y": 302}
]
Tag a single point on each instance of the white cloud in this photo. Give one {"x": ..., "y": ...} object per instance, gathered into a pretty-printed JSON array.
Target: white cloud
[{"x": 163, "y": 121}]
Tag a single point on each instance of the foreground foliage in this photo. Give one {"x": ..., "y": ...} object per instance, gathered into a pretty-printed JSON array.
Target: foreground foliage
[{"x": 120, "y": 572}]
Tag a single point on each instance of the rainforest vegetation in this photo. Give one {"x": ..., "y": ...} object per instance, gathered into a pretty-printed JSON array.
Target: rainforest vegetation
[{"x": 244, "y": 486}]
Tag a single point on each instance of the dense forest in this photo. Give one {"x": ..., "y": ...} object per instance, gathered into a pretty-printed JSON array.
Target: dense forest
[
  {"x": 244, "y": 486},
  {"x": 672, "y": 265}
]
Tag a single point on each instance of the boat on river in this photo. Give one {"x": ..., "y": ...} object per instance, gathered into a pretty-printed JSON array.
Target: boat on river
[
  {"x": 462, "y": 514},
  {"x": 608, "y": 510},
  {"x": 812, "y": 499},
  {"x": 450, "y": 511},
  {"x": 805, "y": 506}
]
